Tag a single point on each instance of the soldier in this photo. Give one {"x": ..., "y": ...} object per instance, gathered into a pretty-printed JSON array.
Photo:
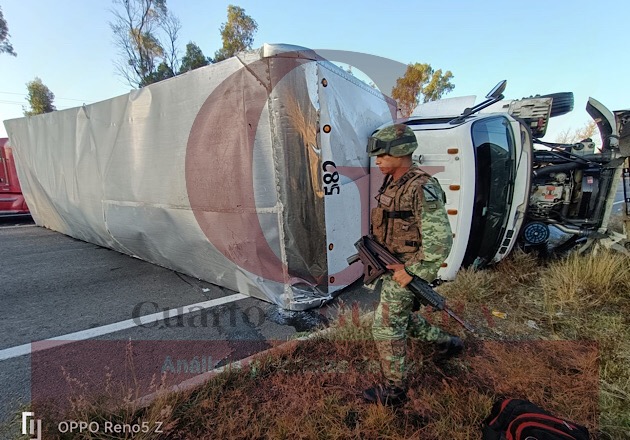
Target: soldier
[{"x": 412, "y": 223}]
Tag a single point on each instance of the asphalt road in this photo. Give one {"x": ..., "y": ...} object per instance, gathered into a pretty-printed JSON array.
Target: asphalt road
[
  {"x": 619, "y": 205},
  {"x": 53, "y": 286}
]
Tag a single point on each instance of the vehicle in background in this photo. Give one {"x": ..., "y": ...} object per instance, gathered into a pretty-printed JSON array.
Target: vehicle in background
[
  {"x": 505, "y": 187},
  {"x": 12, "y": 201}
]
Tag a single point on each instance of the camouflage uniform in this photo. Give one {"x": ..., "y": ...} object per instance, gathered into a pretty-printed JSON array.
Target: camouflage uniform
[{"x": 412, "y": 223}]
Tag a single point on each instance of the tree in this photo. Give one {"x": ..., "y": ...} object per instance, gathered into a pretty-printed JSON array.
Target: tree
[
  {"x": 193, "y": 58},
  {"x": 40, "y": 98},
  {"x": 420, "y": 81},
  {"x": 171, "y": 26},
  {"x": 145, "y": 32},
  {"x": 570, "y": 136},
  {"x": 5, "y": 45},
  {"x": 237, "y": 34},
  {"x": 162, "y": 72}
]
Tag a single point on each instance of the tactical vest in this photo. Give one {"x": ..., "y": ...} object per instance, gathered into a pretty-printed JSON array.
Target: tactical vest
[{"x": 393, "y": 222}]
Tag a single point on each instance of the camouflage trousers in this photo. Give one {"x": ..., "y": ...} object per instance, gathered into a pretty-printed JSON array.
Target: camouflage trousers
[{"x": 394, "y": 321}]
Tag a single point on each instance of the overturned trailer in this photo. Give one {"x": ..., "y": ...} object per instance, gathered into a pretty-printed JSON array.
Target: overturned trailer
[{"x": 251, "y": 173}]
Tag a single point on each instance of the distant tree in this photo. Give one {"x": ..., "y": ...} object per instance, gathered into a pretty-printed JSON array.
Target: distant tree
[
  {"x": 145, "y": 32},
  {"x": 162, "y": 72},
  {"x": 40, "y": 98},
  {"x": 420, "y": 81},
  {"x": 237, "y": 34},
  {"x": 171, "y": 27},
  {"x": 193, "y": 58},
  {"x": 5, "y": 45},
  {"x": 570, "y": 136}
]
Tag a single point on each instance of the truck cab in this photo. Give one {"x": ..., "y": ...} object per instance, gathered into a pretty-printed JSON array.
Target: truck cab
[
  {"x": 12, "y": 201},
  {"x": 483, "y": 164},
  {"x": 505, "y": 187}
]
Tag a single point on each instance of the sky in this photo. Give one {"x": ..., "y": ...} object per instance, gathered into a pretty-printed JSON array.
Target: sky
[{"x": 538, "y": 46}]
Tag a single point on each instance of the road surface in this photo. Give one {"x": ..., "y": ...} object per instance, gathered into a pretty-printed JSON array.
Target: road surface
[{"x": 55, "y": 289}]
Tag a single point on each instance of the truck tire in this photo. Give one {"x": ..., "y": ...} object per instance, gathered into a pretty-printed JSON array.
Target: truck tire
[{"x": 562, "y": 103}]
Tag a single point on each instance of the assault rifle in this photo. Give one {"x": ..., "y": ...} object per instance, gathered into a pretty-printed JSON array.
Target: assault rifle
[{"x": 376, "y": 258}]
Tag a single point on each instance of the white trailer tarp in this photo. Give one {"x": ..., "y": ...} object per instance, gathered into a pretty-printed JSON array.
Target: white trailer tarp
[{"x": 251, "y": 173}]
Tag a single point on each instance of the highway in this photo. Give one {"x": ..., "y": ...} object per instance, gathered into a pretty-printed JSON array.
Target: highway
[{"x": 73, "y": 311}]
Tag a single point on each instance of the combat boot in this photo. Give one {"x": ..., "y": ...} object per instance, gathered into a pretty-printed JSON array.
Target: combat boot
[
  {"x": 385, "y": 394},
  {"x": 451, "y": 347}
]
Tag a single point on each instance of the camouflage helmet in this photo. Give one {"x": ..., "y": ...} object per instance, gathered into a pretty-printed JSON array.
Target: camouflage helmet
[{"x": 395, "y": 140}]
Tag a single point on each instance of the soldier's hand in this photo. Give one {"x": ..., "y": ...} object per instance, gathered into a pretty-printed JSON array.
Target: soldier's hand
[{"x": 400, "y": 274}]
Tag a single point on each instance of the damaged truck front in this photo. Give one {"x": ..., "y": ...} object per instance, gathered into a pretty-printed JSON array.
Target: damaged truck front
[{"x": 506, "y": 187}]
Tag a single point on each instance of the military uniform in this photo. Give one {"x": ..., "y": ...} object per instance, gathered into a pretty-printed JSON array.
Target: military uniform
[{"x": 412, "y": 223}]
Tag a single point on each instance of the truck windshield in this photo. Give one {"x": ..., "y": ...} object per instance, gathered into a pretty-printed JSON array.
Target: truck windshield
[{"x": 494, "y": 154}]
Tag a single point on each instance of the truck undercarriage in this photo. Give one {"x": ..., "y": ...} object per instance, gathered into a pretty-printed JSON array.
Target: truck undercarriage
[{"x": 574, "y": 185}]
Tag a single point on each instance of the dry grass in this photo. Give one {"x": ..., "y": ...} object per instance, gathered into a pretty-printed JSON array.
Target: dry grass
[
  {"x": 562, "y": 343},
  {"x": 616, "y": 223},
  {"x": 578, "y": 283}
]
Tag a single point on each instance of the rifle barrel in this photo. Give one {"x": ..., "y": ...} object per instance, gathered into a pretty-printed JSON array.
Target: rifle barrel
[{"x": 463, "y": 323}]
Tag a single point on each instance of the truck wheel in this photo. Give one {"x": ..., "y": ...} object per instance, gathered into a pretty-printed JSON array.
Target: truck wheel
[{"x": 562, "y": 103}]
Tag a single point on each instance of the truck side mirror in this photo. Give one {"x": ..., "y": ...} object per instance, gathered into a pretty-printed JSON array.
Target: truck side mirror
[
  {"x": 497, "y": 91},
  {"x": 492, "y": 97}
]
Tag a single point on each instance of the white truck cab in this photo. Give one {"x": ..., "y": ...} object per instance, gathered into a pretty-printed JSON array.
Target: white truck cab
[
  {"x": 483, "y": 165},
  {"x": 500, "y": 190}
]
